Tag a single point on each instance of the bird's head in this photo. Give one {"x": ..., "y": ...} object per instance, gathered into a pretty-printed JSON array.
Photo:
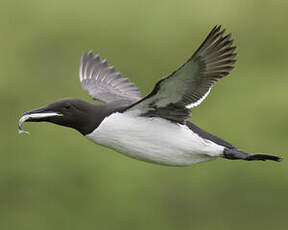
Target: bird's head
[{"x": 70, "y": 112}]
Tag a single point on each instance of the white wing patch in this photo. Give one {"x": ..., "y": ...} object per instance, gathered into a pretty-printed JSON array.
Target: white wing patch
[{"x": 200, "y": 100}]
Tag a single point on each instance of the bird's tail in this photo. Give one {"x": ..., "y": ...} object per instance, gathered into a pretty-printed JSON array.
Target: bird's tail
[{"x": 235, "y": 154}]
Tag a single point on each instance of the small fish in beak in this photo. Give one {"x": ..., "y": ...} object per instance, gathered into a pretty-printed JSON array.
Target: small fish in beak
[{"x": 31, "y": 117}]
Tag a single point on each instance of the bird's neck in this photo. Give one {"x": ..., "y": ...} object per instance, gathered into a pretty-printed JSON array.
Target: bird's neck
[{"x": 96, "y": 114}]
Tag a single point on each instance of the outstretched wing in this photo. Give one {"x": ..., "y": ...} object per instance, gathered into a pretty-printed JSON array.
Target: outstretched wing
[
  {"x": 191, "y": 83},
  {"x": 103, "y": 83}
]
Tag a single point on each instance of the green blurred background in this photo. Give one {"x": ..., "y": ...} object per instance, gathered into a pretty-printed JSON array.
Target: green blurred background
[{"x": 56, "y": 179}]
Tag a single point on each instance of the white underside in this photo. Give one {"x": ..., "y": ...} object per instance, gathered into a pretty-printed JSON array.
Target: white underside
[{"x": 154, "y": 140}]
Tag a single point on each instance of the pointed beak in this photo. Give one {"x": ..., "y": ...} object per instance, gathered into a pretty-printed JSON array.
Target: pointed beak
[{"x": 36, "y": 115}]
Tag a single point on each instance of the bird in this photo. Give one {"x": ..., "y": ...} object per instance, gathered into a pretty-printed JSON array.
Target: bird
[{"x": 154, "y": 128}]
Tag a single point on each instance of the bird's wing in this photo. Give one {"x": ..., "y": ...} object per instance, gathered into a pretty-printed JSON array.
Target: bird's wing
[
  {"x": 188, "y": 86},
  {"x": 103, "y": 83}
]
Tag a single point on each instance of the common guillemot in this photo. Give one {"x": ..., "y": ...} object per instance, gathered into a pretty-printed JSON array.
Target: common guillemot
[{"x": 154, "y": 128}]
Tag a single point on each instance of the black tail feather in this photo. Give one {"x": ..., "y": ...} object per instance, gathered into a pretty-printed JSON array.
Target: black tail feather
[
  {"x": 235, "y": 154},
  {"x": 263, "y": 157}
]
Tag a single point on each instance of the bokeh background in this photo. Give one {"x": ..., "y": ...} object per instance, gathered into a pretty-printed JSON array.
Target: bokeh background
[{"x": 56, "y": 179}]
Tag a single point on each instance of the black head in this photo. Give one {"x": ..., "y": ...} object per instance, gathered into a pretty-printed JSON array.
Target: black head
[{"x": 70, "y": 112}]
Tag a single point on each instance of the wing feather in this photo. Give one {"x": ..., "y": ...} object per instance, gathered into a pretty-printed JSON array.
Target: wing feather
[
  {"x": 103, "y": 83},
  {"x": 188, "y": 86}
]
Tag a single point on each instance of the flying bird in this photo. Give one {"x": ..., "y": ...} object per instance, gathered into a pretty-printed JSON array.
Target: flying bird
[{"x": 154, "y": 128}]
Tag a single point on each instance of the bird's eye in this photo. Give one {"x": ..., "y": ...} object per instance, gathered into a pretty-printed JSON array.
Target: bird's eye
[{"x": 67, "y": 106}]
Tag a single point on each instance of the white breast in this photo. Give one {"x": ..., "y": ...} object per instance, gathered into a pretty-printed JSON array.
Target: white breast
[{"x": 154, "y": 140}]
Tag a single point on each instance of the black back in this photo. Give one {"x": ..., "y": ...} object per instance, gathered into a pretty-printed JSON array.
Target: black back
[{"x": 202, "y": 133}]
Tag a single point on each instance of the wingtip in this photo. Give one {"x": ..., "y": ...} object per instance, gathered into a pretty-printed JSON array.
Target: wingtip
[
  {"x": 90, "y": 52},
  {"x": 89, "y": 55},
  {"x": 279, "y": 159},
  {"x": 217, "y": 27}
]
